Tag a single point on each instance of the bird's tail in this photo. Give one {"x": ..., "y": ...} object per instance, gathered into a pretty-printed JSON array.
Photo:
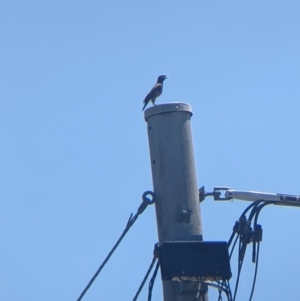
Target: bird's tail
[{"x": 145, "y": 103}]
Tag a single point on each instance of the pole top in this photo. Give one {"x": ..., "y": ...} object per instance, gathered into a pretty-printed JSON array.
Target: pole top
[{"x": 168, "y": 108}]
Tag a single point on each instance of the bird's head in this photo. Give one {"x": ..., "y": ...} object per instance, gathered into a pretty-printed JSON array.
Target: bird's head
[{"x": 161, "y": 79}]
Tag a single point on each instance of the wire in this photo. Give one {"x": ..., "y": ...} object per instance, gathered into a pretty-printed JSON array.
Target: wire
[
  {"x": 244, "y": 239},
  {"x": 256, "y": 252},
  {"x": 223, "y": 287},
  {"x": 227, "y": 287},
  {"x": 198, "y": 291},
  {"x": 220, "y": 287},
  {"x": 248, "y": 208},
  {"x": 255, "y": 273},
  {"x": 232, "y": 249},
  {"x": 151, "y": 283},
  {"x": 256, "y": 208},
  {"x": 145, "y": 279},
  {"x": 201, "y": 289},
  {"x": 242, "y": 251},
  {"x": 259, "y": 209},
  {"x": 227, "y": 290},
  {"x": 231, "y": 237},
  {"x": 130, "y": 222},
  {"x": 256, "y": 227},
  {"x": 220, "y": 292}
]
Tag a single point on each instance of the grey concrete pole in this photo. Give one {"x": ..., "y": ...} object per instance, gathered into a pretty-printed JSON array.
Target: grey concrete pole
[{"x": 174, "y": 182}]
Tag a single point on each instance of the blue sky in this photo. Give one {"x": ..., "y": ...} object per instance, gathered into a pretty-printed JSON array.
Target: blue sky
[{"x": 74, "y": 157}]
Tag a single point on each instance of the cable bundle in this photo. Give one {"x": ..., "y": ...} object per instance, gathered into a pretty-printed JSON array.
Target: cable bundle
[{"x": 245, "y": 234}]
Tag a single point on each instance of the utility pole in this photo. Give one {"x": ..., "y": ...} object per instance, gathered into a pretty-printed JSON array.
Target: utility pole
[{"x": 174, "y": 183}]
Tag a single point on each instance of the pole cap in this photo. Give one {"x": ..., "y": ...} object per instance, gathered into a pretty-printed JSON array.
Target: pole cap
[{"x": 168, "y": 108}]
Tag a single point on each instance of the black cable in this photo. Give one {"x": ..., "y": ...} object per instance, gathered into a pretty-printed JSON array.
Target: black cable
[
  {"x": 198, "y": 289},
  {"x": 248, "y": 208},
  {"x": 145, "y": 279},
  {"x": 129, "y": 224},
  {"x": 254, "y": 209},
  {"x": 259, "y": 209},
  {"x": 232, "y": 249},
  {"x": 242, "y": 251},
  {"x": 217, "y": 286},
  {"x": 201, "y": 289},
  {"x": 247, "y": 235},
  {"x": 256, "y": 252},
  {"x": 227, "y": 290},
  {"x": 227, "y": 287},
  {"x": 244, "y": 240},
  {"x": 131, "y": 221},
  {"x": 255, "y": 273},
  {"x": 203, "y": 292},
  {"x": 243, "y": 230},
  {"x": 231, "y": 237},
  {"x": 228, "y": 294},
  {"x": 257, "y": 231},
  {"x": 220, "y": 292},
  {"x": 151, "y": 283}
]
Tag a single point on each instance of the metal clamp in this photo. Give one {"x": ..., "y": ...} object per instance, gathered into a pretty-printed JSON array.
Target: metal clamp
[{"x": 216, "y": 194}]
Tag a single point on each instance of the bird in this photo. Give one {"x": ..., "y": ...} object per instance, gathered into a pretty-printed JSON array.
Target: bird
[{"x": 155, "y": 91}]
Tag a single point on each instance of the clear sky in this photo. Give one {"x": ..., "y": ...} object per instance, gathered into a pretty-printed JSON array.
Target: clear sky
[{"x": 74, "y": 156}]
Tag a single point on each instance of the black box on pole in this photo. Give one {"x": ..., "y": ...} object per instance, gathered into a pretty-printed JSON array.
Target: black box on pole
[{"x": 194, "y": 260}]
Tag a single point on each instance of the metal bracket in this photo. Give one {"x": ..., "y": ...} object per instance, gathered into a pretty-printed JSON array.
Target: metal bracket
[
  {"x": 223, "y": 193},
  {"x": 216, "y": 194}
]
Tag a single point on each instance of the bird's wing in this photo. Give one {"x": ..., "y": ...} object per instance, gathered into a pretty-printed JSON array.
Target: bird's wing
[
  {"x": 154, "y": 93},
  {"x": 157, "y": 90}
]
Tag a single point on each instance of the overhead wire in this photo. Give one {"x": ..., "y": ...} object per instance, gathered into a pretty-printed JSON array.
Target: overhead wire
[
  {"x": 253, "y": 235},
  {"x": 224, "y": 287},
  {"x": 255, "y": 273},
  {"x": 240, "y": 264},
  {"x": 145, "y": 278},
  {"x": 198, "y": 289},
  {"x": 234, "y": 243},
  {"x": 132, "y": 219},
  {"x": 151, "y": 283},
  {"x": 225, "y": 284},
  {"x": 220, "y": 287},
  {"x": 243, "y": 232},
  {"x": 245, "y": 238},
  {"x": 256, "y": 249}
]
